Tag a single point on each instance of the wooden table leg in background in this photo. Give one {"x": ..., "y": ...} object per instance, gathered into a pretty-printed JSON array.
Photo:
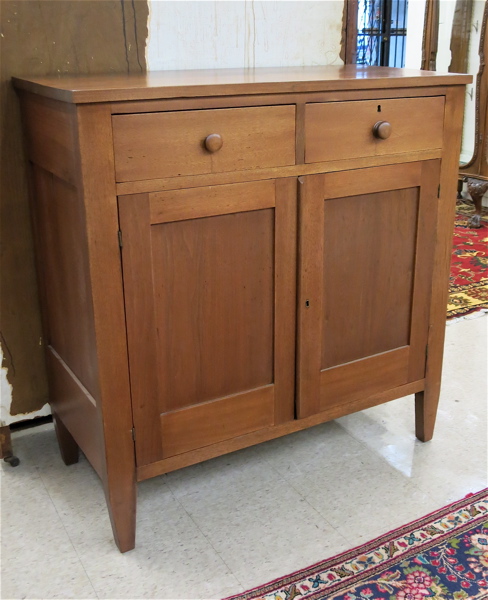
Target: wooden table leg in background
[{"x": 6, "y": 446}]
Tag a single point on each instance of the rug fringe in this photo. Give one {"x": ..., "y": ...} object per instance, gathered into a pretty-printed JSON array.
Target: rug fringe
[{"x": 482, "y": 312}]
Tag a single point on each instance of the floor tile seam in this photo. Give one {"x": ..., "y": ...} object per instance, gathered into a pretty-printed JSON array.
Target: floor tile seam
[
  {"x": 305, "y": 494},
  {"x": 285, "y": 478},
  {"x": 327, "y": 521},
  {"x": 208, "y": 540},
  {"x": 280, "y": 478},
  {"x": 80, "y": 560},
  {"x": 291, "y": 480},
  {"x": 446, "y": 501}
]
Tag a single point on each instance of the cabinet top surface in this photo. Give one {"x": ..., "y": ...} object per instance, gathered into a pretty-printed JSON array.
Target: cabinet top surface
[{"x": 224, "y": 82}]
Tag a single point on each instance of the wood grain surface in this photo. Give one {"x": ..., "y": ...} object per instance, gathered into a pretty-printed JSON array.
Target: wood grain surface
[
  {"x": 361, "y": 312},
  {"x": 212, "y": 422},
  {"x": 226, "y": 298},
  {"x": 209, "y": 277},
  {"x": 64, "y": 275},
  {"x": 225, "y": 82},
  {"x": 337, "y": 130},
  {"x": 427, "y": 401},
  {"x": 96, "y": 180},
  {"x": 270, "y": 433},
  {"x": 172, "y": 144}
]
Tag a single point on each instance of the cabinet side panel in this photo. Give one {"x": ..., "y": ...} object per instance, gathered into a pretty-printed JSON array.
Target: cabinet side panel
[
  {"x": 50, "y": 137},
  {"x": 76, "y": 408},
  {"x": 65, "y": 281}
]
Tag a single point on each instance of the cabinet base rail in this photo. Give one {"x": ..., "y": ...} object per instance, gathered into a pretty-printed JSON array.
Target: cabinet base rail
[{"x": 263, "y": 435}]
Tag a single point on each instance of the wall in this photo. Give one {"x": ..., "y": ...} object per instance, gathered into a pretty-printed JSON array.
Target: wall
[
  {"x": 446, "y": 16},
  {"x": 39, "y": 38},
  {"x": 199, "y": 35},
  {"x": 415, "y": 32}
]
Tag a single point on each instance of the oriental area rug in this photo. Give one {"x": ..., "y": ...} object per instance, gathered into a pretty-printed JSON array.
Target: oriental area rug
[
  {"x": 468, "y": 286},
  {"x": 443, "y": 556}
]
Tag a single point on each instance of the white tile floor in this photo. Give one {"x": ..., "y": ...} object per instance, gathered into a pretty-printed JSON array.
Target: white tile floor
[{"x": 241, "y": 520}]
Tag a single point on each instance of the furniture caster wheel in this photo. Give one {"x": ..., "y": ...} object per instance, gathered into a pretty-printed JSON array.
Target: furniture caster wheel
[{"x": 13, "y": 461}]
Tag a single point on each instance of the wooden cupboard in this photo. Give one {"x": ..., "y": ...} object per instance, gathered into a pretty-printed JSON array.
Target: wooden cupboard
[{"x": 226, "y": 257}]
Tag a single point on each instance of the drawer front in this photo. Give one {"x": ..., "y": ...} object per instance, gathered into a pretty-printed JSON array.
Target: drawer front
[
  {"x": 343, "y": 130},
  {"x": 157, "y": 145}
]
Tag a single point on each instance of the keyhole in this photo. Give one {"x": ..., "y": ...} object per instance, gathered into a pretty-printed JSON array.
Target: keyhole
[
  {"x": 379, "y": 107},
  {"x": 307, "y": 303}
]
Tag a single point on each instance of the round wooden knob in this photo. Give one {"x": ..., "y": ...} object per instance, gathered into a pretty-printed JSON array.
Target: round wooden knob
[
  {"x": 382, "y": 130},
  {"x": 213, "y": 142}
]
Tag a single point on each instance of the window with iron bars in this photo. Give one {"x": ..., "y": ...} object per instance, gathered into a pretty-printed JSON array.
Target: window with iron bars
[{"x": 380, "y": 32}]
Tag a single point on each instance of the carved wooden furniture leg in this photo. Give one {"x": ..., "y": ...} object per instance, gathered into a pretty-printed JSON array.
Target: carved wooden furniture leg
[
  {"x": 477, "y": 189},
  {"x": 67, "y": 446},
  {"x": 475, "y": 220},
  {"x": 460, "y": 189},
  {"x": 6, "y": 447}
]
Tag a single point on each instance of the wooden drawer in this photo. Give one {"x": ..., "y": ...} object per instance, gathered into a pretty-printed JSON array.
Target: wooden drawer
[
  {"x": 343, "y": 130},
  {"x": 156, "y": 145}
]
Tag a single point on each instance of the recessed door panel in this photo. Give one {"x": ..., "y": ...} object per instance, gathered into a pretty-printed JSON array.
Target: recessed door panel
[
  {"x": 369, "y": 255},
  {"x": 214, "y": 286}
]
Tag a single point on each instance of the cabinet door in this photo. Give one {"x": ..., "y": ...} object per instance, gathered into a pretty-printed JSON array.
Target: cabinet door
[
  {"x": 366, "y": 243},
  {"x": 209, "y": 280}
]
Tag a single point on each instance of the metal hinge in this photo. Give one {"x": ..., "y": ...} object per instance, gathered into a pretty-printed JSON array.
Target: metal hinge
[
  {"x": 439, "y": 191},
  {"x": 119, "y": 233},
  {"x": 133, "y": 431}
]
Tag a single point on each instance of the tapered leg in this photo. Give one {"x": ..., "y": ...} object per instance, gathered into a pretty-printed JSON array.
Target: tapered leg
[
  {"x": 67, "y": 446},
  {"x": 425, "y": 414},
  {"x": 121, "y": 504}
]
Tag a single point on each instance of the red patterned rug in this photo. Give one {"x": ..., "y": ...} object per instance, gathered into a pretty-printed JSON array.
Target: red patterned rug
[
  {"x": 468, "y": 291},
  {"x": 443, "y": 556}
]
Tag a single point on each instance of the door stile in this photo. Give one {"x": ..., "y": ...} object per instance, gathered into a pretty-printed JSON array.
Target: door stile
[
  {"x": 134, "y": 215},
  {"x": 424, "y": 260},
  {"x": 309, "y": 310},
  {"x": 285, "y": 298}
]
